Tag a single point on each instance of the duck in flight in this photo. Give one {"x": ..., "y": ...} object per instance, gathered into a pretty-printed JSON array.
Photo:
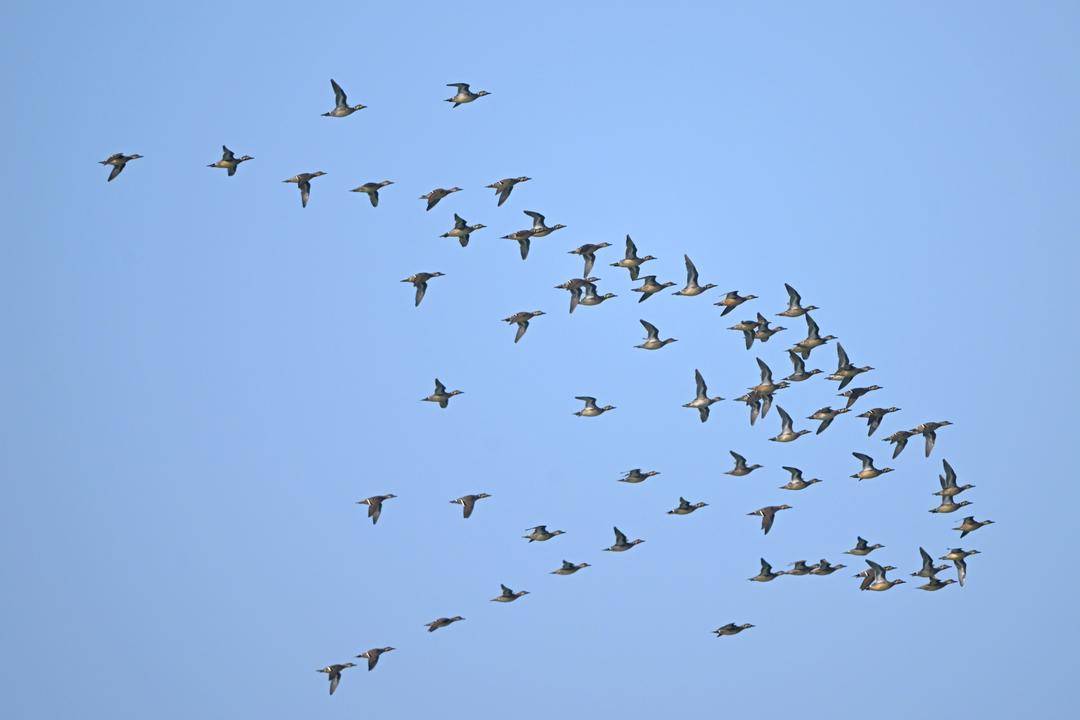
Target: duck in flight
[
  {"x": 442, "y": 622},
  {"x": 637, "y": 476},
  {"x": 229, "y": 161},
  {"x": 702, "y": 401},
  {"x": 591, "y": 409},
  {"x": 649, "y": 287},
  {"x": 371, "y": 189},
  {"x": 768, "y": 515},
  {"x": 766, "y": 574},
  {"x": 523, "y": 239},
  {"x": 731, "y": 629},
  {"x": 507, "y": 595},
  {"x": 441, "y": 396},
  {"x": 732, "y": 300},
  {"x": 862, "y": 547},
  {"x": 868, "y": 471},
  {"x": 826, "y": 415},
  {"x": 949, "y": 505},
  {"x": 118, "y": 161},
  {"x": 812, "y": 340},
  {"x": 588, "y": 253},
  {"x": 970, "y": 525},
  {"x": 949, "y": 488},
  {"x": 504, "y": 187},
  {"x": 372, "y": 656},
  {"x": 877, "y": 580},
  {"x": 824, "y": 567},
  {"x": 569, "y": 568},
  {"x": 303, "y": 181},
  {"x": 855, "y": 393},
  {"x": 787, "y": 433},
  {"x": 763, "y": 331},
  {"x": 574, "y": 287},
  {"x": 375, "y": 503},
  {"x": 540, "y": 534},
  {"x": 795, "y": 307},
  {"x": 741, "y": 469},
  {"x": 845, "y": 369},
  {"x": 521, "y": 319},
  {"x": 929, "y": 432},
  {"x": 420, "y": 282},
  {"x": 899, "y": 440},
  {"x": 539, "y": 226},
  {"x": 692, "y": 287},
  {"x": 468, "y": 503},
  {"x": 591, "y": 298},
  {"x": 464, "y": 94},
  {"x": 959, "y": 558},
  {"x": 621, "y": 545},
  {"x": 342, "y": 108},
  {"x": 796, "y": 482},
  {"x": 333, "y": 673},
  {"x": 686, "y": 507},
  {"x": 462, "y": 230},
  {"x": 631, "y": 261},
  {"x": 929, "y": 569},
  {"x": 438, "y": 194},
  {"x": 874, "y": 417},
  {"x": 652, "y": 339},
  {"x": 800, "y": 372}
]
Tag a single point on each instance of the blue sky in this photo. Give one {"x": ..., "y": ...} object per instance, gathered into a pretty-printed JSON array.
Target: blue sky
[{"x": 200, "y": 378}]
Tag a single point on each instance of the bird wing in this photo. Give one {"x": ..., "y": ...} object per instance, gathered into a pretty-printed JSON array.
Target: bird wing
[
  {"x": 538, "y": 219},
  {"x": 372, "y": 660},
  {"x": 654, "y": 333},
  {"x": 949, "y": 480},
  {"x": 631, "y": 249},
  {"x": 703, "y": 413},
  {"x": 421, "y": 288},
  {"x": 335, "y": 678},
  {"x": 766, "y": 372},
  {"x": 927, "y": 561},
  {"x": 467, "y": 504},
  {"x": 620, "y": 538},
  {"x": 768, "y": 515},
  {"x": 305, "y": 192},
  {"x": 691, "y": 271},
  {"x": 785, "y": 419},
  {"x": 340, "y": 98},
  {"x": 931, "y": 438},
  {"x": 116, "y": 170},
  {"x": 866, "y": 461},
  {"x": 842, "y": 361},
  {"x": 504, "y": 194},
  {"x": 462, "y": 87},
  {"x": 523, "y": 246},
  {"x": 702, "y": 388},
  {"x": 740, "y": 461},
  {"x": 797, "y": 362},
  {"x": 794, "y": 299},
  {"x": 227, "y": 154},
  {"x": 812, "y": 329},
  {"x": 766, "y": 568}
]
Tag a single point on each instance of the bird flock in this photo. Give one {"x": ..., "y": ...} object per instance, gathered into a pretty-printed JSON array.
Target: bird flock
[{"x": 759, "y": 398}]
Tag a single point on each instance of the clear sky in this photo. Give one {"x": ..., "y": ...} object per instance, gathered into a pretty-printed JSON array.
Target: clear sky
[{"x": 200, "y": 378}]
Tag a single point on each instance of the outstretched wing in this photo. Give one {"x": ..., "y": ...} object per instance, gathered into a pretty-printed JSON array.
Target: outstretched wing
[
  {"x": 794, "y": 299},
  {"x": 620, "y": 537},
  {"x": 340, "y": 98},
  {"x": 691, "y": 271},
  {"x": 766, "y": 372}
]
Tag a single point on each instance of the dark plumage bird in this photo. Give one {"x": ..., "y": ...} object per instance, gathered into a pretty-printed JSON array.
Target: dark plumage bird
[
  {"x": 375, "y": 503},
  {"x": 899, "y": 440},
  {"x": 333, "y": 673},
  {"x": 569, "y": 568},
  {"x": 741, "y": 468},
  {"x": 524, "y": 240},
  {"x": 799, "y": 568},
  {"x": 787, "y": 432},
  {"x": 372, "y": 656},
  {"x": 686, "y": 507},
  {"x": 621, "y": 545},
  {"x": 652, "y": 338},
  {"x": 877, "y": 580},
  {"x": 371, "y": 189},
  {"x": 438, "y": 194},
  {"x": 504, "y": 187},
  {"x": 442, "y": 622},
  {"x": 929, "y": 432},
  {"x": 342, "y": 108},
  {"x": 796, "y": 482},
  {"x": 588, "y": 253},
  {"x": 812, "y": 340},
  {"x": 462, "y": 230},
  {"x": 539, "y": 226},
  {"x": 826, "y": 415},
  {"x": 763, "y": 331},
  {"x": 229, "y": 161},
  {"x": 591, "y": 298},
  {"x": 855, "y": 393},
  {"x": 767, "y": 386},
  {"x": 574, "y": 287},
  {"x": 468, "y": 502},
  {"x": 540, "y": 534},
  {"x": 845, "y": 369},
  {"x": 693, "y": 287},
  {"x": 420, "y": 281},
  {"x": 521, "y": 319},
  {"x": 507, "y": 595},
  {"x": 766, "y": 574},
  {"x": 795, "y": 307},
  {"x": 731, "y": 629},
  {"x": 637, "y": 476},
  {"x": 441, "y": 396},
  {"x": 118, "y": 161},
  {"x": 949, "y": 505},
  {"x": 934, "y": 584},
  {"x": 824, "y": 567},
  {"x": 649, "y": 287},
  {"x": 949, "y": 488},
  {"x": 862, "y": 547},
  {"x": 928, "y": 569},
  {"x": 702, "y": 401},
  {"x": 631, "y": 261},
  {"x": 800, "y": 372},
  {"x": 959, "y": 558},
  {"x": 732, "y": 300},
  {"x": 970, "y": 525},
  {"x": 303, "y": 181},
  {"x": 591, "y": 409},
  {"x": 464, "y": 94},
  {"x": 874, "y": 417},
  {"x": 868, "y": 471},
  {"x": 768, "y": 515}
]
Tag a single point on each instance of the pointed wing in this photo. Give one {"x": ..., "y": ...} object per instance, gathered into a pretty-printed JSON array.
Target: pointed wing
[
  {"x": 812, "y": 329},
  {"x": 766, "y": 568},
  {"x": 866, "y": 461},
  {"x": 785, "y": 419},
  {"x": 340, "y": 98},
  {"x": 703, "y": 413},
  {"x": 227, "y": 154},
  {"x": 631, "y": 249},
  {"x": 654, "y": 333},
  {"x": 748, "y": 337},
  {"x": 523, "y": 247},
  {"x": 874, "y": 423},
  {"x": 537, "y": 218},
  {"x": 842, "y": 360},
  {"x": 797, "y": 362},
  {"x": 767, "y": 517},
  {"x": 931, "y": 438},
  {"x": 421, "y": 289},
  {"x": 702, "y": 388},
  {"x": 372, "y": 661},
  {"x": 766, "y": 372},
  {"x": 740, "y": 461},
  {"x": 462, "y": 87},
  {"x": 620, "y": 538},
  {"x": 691, "y": 271},
  {"x": 504, "y": 194},
  {"x": 794, "y": 299},
  {"x": 467, "y": 504},
  {"x": 116, "y": 170},
  {"x": 305, "y": 192},
  {"x": 927, "y": 561}
]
